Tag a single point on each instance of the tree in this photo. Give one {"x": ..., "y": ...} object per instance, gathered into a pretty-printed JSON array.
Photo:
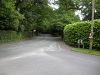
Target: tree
[
  {"x": 37, "y": 14},
  {"x": 64, "y": 15},
  {"x": 86, "y": 9},
  {"x": 34, "y": 12},
  {"x": 9, "y": 16}
]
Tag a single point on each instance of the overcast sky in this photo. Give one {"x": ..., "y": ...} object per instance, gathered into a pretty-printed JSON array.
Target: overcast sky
[{"x": 78, "y": 12}]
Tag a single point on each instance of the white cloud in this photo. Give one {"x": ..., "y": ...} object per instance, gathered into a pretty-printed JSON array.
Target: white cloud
[{"x": 53, "y": 5}]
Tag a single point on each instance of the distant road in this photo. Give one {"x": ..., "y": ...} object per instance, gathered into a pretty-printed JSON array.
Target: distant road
[{"x": 45, "y": 55}]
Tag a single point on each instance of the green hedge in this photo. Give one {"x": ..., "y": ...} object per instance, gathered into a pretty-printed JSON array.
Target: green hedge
[
  {"x": 7, "y": 36},
  {"x": 81, "y": 30}
]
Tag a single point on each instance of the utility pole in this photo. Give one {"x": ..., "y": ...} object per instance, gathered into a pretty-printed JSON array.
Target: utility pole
[{"x": 92, "y": 25}]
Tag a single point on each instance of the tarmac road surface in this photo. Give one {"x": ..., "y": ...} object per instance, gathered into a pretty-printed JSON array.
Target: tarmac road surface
[{"x": 45, "y": 55}]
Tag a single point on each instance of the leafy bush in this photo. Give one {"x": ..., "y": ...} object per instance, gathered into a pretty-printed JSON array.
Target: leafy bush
[
  {"x": 81, "y": 30},
  {"x": 7, "y": 36}
]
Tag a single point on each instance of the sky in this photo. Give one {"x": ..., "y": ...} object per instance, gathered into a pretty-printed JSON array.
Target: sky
[
  {"x": 54, "y": 6},
  {"x": 78, "y": 12}
]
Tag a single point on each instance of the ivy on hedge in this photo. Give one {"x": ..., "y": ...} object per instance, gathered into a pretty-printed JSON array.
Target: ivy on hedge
[{"x": 81, "y": 30}]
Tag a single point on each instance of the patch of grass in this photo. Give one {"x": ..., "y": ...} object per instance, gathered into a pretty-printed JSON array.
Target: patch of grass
[{"x": 87, "y": 51}]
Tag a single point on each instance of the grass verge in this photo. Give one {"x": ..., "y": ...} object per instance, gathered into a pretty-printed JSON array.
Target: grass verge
[{"x": 87, "y": 51}]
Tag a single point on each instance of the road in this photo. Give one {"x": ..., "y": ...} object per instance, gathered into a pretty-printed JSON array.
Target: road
[{"x": 45, "y": 55}]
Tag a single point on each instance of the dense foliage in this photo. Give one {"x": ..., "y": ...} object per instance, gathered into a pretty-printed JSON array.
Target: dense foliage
[
  {"x": 9, "y": 16},
  {"x": 80, "y": 30}
]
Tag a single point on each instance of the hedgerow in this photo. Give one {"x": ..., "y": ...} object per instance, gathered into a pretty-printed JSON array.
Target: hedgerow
[
  {"x": 81, "y": 30},
  {"x": 8, "y": 36}
]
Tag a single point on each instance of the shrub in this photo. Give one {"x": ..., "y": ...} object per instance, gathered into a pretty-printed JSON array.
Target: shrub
[
  {"x": 81, "y": 30},
  {"x": 7, "y": 36}
]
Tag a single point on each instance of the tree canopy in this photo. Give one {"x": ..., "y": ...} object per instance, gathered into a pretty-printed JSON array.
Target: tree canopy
[{"x": 21, "y": 15}]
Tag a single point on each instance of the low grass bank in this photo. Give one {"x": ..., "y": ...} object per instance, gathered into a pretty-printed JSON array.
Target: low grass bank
[
  {"x": 9, "y": 36},
  {"x": 87, "y": 51}
]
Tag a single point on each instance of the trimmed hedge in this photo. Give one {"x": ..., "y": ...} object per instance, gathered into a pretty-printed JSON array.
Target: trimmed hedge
[
  {"x": 7, "y": 36},
  {"x": 81, "y": 30}
]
